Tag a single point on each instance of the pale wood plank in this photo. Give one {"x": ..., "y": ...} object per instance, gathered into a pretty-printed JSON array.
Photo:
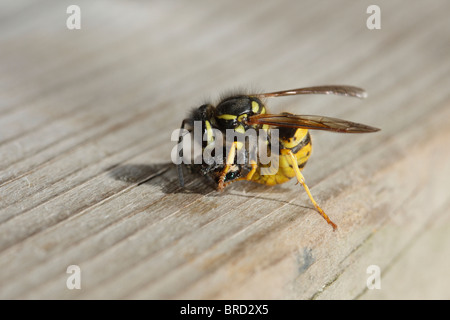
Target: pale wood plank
[{"x": 85, "y": 173}]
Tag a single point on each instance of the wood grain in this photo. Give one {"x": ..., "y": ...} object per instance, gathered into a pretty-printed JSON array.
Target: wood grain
[{"x": 86, "y": 179}]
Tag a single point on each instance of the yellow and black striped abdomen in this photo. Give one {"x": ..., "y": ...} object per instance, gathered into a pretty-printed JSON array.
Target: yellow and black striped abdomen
[{"x": 298, "y": 141}]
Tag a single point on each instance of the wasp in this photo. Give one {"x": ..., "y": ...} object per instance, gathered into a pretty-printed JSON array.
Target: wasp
[{"x": 241, "y": 113}]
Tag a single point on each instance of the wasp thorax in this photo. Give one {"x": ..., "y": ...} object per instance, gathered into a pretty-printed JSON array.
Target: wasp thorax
[{"x": 234, "y": 111}]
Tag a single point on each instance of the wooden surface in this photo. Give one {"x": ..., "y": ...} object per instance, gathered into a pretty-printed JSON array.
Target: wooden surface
[{"x": 86, "y": 179}]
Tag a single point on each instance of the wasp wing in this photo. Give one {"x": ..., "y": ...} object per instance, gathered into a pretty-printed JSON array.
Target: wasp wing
[
  {"x": 348, "y": 91},
  {"x": 310, "y": 122}
]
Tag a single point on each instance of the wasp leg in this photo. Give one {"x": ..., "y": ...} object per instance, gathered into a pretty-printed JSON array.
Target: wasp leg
[
  {"x": 180, "y": 154},
  {"x": 249, "y": 175},
  {"x": 230, "y": 160},
  {"x": 301, "y": 180}
]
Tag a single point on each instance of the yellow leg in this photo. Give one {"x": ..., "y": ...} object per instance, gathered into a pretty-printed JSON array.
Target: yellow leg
[
  {"x": 249, "y": 175},
  {"x": 301, "y": 180},
  {"x": 230, "y": 160}
]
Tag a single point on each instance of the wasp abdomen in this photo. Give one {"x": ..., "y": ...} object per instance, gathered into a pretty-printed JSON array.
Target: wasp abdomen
[{"x": 298, "y": 141}]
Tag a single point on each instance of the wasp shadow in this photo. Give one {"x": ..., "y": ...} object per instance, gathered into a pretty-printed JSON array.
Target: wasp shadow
[
  {"x": 165, "y": 177},
  {"x": 161, "y": 175}
]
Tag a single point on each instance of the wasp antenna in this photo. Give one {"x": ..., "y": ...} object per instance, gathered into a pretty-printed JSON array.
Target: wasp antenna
[{"x": 180, "y": 175}]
